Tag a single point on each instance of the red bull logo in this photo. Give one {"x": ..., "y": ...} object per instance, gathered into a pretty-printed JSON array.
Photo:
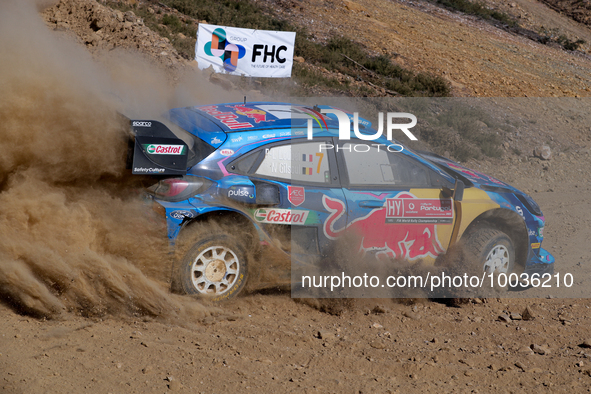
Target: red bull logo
[
  {"x": 227, "y": 118},
  {"x": 409, "y": 241},
  {"x": 258, "y": 115}
]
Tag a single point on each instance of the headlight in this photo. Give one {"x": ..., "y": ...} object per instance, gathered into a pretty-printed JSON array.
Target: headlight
[
  {"x": 530, "y": 204},
  {"x": 179, "y": 189}
]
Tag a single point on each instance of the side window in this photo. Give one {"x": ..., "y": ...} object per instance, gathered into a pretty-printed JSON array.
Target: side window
[
  {"x": 296, "y": 162},
  {"x": 370, "y": 165}
]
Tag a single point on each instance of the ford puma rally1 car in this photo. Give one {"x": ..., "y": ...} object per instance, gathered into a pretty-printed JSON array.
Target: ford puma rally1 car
[{"x": 255, "y": 166}]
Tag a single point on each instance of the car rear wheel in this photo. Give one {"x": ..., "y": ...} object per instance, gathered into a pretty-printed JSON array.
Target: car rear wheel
[
  {"x": 492, "y": 250},
  {"x": 215, "y": 267}
]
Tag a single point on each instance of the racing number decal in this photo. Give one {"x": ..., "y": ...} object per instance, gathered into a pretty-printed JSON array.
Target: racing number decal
[{"x": 321, "y": 155}]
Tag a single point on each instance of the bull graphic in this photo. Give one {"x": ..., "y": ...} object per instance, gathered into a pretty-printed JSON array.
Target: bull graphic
[
  {"x": 258, "y": 115},
  {"x": 386, "y": 240}
]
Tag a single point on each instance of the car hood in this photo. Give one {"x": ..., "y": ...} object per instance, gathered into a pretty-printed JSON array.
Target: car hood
[{"x": 478, "y": 179}]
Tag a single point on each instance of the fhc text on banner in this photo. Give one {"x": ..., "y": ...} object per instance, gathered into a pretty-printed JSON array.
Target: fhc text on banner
[{"x": 254, "y": 53}]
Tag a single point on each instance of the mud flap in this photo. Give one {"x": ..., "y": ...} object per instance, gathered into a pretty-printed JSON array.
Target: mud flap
[{"x": 155, "y": 150}]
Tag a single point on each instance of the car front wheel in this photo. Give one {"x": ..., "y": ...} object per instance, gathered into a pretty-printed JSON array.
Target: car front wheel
[{"x": 492, "y": 249}]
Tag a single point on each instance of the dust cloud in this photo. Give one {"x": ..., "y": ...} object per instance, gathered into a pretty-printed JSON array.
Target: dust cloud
[{"x": 75, "y": 235}]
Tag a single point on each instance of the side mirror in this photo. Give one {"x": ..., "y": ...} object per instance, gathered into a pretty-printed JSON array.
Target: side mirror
[
  {"x": 458, "y": 191},
  {"x": 446, "y": 192}
]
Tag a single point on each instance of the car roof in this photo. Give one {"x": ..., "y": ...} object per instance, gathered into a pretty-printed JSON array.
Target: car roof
[{"x": 259, "y": 115}]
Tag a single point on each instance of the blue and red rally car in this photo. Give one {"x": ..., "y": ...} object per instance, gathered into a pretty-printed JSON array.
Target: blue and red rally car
[{"x": 256, "y": 166}]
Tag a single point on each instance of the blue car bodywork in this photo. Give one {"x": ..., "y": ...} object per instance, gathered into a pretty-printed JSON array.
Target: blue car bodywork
[{"x": 232, "y": 158}]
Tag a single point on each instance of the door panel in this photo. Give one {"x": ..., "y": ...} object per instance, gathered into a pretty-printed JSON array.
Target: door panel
[
  {"x": 305, "y": 177},
  {"x": 394, "y": 211}
]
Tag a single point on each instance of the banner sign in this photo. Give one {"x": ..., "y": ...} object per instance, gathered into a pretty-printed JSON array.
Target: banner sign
[{"x": 252, "y": 53}]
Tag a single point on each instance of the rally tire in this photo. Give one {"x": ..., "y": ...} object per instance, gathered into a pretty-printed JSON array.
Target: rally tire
[
  {"x": 215, "y": 267},
  {"x": 491, "y": 250}
]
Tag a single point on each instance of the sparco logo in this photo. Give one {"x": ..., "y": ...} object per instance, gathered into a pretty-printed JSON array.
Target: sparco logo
[
  {"x": 155, "y": 149},
  {"x": 141, "y": 124}
]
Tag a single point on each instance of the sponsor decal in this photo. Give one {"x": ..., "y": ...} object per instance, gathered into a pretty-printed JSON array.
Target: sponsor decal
[
  {"x": 281, "y": 216},
  {"x": 216, "y": 140},
  {"x": 531, "y": 233},
  {"x": 253, "y": 137},
  {"x": 237, "y": 139},
  {"x": 157, "y": 149},
  {"x": 226, "y": 152},
  {"x": 535, "y": 245},
  {"x": 541, "y": 232},
  {"x": 234, "y": 192},
  {"x": 268, "y": 135},
  {"x": 519, "y": 210},
  {"x": 298, "y": 132},
  {"x": 141, "y": 124},
  {"x": 296, "y": 195},
  {"x": 226, "y": 117},
  {"x": 258, "y": 115},
  {"x": 419, "y": 210},
  {"x": 149, "y": 170},
  {"x": 285, "y": 133},
  {"x": 408, "y": 241},
  {"x": 180, "y": 215}
]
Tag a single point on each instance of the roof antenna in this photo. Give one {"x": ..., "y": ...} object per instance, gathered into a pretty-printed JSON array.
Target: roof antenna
[{"x": 244, "y": 100}]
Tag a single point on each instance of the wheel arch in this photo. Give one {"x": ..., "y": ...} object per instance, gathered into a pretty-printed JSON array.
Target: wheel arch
[
  {"x": 508, "y": 222},
  {"x": 238, "y": 225},
  {"x": 225, "y": 216}
]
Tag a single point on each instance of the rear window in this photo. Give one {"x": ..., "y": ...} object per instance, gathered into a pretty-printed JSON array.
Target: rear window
[{"x": 198, "y": 149}]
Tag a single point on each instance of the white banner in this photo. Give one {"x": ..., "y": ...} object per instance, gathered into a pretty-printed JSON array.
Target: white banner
[{"x": 253, "y": 53}]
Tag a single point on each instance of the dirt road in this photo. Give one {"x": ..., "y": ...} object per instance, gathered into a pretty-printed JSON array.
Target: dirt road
[{"x": 268, "y": 343}]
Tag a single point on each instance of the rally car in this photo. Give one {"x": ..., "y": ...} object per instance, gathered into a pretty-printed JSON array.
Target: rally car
[{"x": 264, "y": 165}]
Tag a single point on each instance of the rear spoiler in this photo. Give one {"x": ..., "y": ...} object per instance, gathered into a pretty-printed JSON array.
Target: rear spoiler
[{"x": 155, "y": 150}]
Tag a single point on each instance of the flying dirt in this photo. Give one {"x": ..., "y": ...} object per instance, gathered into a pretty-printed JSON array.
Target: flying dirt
[{"x": 75, "y": 235}]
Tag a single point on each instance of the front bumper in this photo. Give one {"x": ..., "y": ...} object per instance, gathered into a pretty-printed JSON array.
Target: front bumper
[
  {"x": 540, "y": 264},
  {"x": 536, "y": 265}
]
